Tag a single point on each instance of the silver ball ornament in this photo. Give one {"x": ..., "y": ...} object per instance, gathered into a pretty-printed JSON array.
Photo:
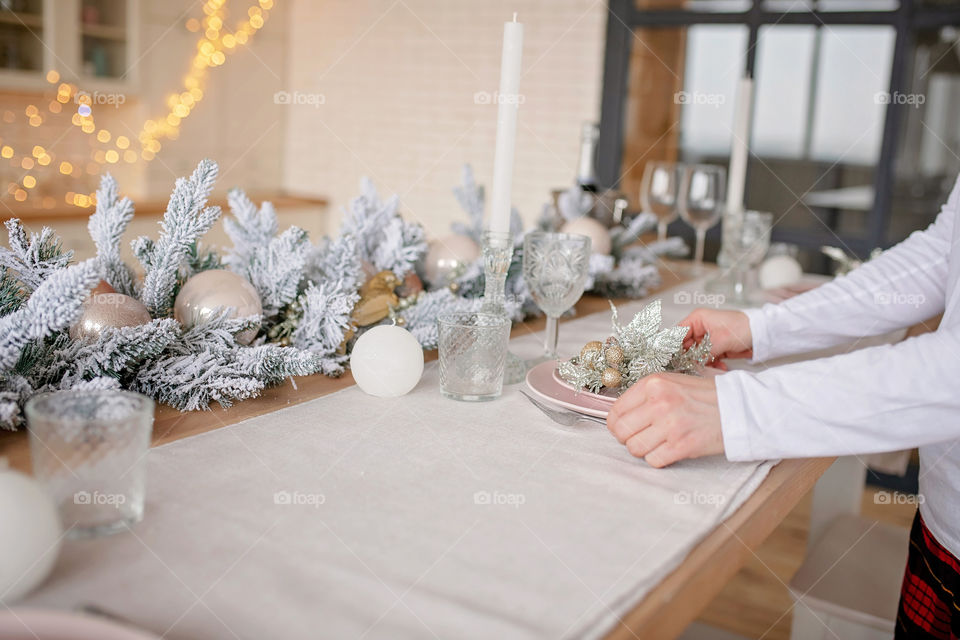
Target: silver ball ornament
[
  {"x": 104, "y": 310},
  {"x": 207, "y": 291}
]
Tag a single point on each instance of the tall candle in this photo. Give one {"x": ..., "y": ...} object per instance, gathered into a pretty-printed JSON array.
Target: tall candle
[
  {"x": 737, "y": 176},
  {"x": 508, "y": 102}
]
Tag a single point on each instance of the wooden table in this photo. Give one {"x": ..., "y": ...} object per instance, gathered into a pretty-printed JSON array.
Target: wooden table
[{"x": 666, "y": 610}]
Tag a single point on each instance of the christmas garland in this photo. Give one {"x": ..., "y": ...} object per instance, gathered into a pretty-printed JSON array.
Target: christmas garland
[{"x": 313, "y": 299}]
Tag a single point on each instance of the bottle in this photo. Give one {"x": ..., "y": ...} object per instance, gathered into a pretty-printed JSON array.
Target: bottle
[{"x": 586, "y": 172}]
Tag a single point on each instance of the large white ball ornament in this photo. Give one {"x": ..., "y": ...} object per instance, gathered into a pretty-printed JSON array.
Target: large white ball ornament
[
  {"x": 779, "y": 271},
  {"x": 209, "y": 290},
  {"x": 387, "y": 361},
  {"x": 29, "y": 534},
  {"x": 446, "y": 253},
  {"x": 594, "y": 229}
]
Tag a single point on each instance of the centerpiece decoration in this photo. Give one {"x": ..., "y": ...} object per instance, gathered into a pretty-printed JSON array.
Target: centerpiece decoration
[
  {"x": 634, "y": 351},
  {"x": 186, "y": 328}
]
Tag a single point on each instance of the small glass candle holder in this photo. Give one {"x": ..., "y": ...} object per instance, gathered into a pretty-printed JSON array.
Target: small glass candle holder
[
  {"x": 90, "y": 448},
  {"x": 473, "y": 351}
]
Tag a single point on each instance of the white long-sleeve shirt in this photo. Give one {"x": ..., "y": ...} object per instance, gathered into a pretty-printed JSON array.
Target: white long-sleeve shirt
[{"x": 882, "y": 398}]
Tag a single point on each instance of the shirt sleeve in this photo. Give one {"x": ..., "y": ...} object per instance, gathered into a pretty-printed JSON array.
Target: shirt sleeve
[
  {"x": 903, "y": 286},
  {"x": 878, "y": 399}
]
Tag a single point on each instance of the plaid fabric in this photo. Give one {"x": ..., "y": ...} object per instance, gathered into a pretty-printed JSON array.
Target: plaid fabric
[{"x": 928, "y": 606}]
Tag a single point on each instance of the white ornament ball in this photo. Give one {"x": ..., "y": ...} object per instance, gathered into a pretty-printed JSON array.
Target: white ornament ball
[
  {"x": 387, "y": 361},
  {"x": 204, "y": 293},
  {"x": 595, "y": 230},
  {"x": 779, "y": 271},
  {"x": 446, "y": 253},
  {"x": 104, "y": 310},
  {"x": 29, "y": 534}
]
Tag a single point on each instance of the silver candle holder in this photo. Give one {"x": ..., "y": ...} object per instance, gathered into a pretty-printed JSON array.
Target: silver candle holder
[{"x": 497, "y": 255}]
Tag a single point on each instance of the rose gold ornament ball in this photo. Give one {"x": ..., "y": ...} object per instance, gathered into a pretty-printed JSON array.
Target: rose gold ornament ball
[
  {"x": 104, "y": 310},
  {"x": 207, "y": 291}
]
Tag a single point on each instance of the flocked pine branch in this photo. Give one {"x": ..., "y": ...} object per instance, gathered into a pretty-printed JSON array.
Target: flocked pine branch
[
  {"x": 249, "y": 228},
  {"x": 274, "y": 266},
  {"x": 185, "y": 220},
  {"x": 337, "y": 259},
  {"x": 54, "y": 306},
  {"x": 216, "y": 333},
  {"x": 107, "y": 226},
  {"x": 325, "y": 321},
  {"x": 192, "y": 382},
  {"x": 384, "y": 239},
  {"x": 114, "y": 353},
  {"x": 35, "y": 257}
]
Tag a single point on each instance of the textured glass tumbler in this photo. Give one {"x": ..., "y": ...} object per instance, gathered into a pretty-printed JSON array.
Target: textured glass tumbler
[
  {"x": 90, "y": 448},
  {"x": 473, "y": 351}
]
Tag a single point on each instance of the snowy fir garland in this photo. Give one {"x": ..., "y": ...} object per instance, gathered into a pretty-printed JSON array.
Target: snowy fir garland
[{"x": 311, "y": 295}]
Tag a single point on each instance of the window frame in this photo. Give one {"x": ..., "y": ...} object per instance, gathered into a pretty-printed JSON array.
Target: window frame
[{"x": 906, "y": 20}]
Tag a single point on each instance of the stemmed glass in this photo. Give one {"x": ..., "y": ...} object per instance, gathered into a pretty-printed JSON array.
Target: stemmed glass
[
  {"x": 555, "y": 268},
  {"x": 658, "y": 193},
  {"x": 753, "y": 241},
  {"x": 700, "y": 202}
]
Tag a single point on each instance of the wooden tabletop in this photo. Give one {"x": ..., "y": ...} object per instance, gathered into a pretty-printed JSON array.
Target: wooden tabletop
[{"x": 666, "y": 610}]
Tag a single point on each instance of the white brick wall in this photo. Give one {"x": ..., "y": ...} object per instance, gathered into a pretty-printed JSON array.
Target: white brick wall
[{"x": 399, "y": 79}]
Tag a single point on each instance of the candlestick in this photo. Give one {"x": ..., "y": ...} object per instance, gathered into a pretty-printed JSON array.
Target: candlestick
[
  {"x": 508, "y": 103},
  {"x": 740, "y": 145},
  {"x": 737, "y": 174}
]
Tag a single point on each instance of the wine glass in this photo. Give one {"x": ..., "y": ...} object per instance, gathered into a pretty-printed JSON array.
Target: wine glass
[
  {"x": 753, "y": 241},
  {"x": 700, "y": 202},
  {"x": 555, "y": 268},
  {"x": 658, "y": 193}
]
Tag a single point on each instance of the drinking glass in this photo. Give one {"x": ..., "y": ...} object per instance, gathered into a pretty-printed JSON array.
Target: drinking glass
[
  {"x": 555, "y": 268},
  {"x": 473, "y": 352},
  {"x": 700, "y": 202},
  {"x": 89, "y": 448},
  {"x": 752, "y": 242},
  {"x": 659, "y": 188}
]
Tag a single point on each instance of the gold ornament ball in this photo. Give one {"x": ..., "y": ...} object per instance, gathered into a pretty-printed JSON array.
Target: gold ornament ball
[
  {"x": 104, "y": 310},
  {"x": 593, "y": 345},
  {"x": 611, "y": 377},
  {"x": 613, "y": 356},
  {"x": 204, "y": 293}
]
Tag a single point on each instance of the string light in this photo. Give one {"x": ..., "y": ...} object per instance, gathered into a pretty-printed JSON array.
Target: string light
[{"x": 215, "y": 44}]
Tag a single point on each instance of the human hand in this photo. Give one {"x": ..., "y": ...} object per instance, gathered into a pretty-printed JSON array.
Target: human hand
[
  {"x": 729, "y": 331},
  {"x": 668, "y": 417}
]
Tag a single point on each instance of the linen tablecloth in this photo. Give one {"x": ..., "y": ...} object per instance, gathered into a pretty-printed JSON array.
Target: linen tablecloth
[{"x": 358, "y": 517}]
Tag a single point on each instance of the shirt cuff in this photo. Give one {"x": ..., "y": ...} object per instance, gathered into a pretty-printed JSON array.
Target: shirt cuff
[
  {"x": 734, "y": 422},
  {"x": 759, "y": 321}
]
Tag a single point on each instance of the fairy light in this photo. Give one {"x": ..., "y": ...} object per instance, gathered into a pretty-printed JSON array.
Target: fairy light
[{"x": 215, "y": 44}]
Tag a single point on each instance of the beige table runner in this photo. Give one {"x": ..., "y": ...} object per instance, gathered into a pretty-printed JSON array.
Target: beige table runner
[{"x": 357, "y": 517}]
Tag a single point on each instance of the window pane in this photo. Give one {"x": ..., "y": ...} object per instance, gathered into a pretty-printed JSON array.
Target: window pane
[
  {"x": 782, "y": 102},
  {"x": 853, "y": 75},
  {"x": 714, "y": 63},
  {"x": 716, "y": 6},
  {"x": 831, "y": 5},
  {"x": 928, "y": 151}
]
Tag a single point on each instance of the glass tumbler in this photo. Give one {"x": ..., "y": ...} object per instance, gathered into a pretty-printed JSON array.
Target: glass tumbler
[
  {"x": 473, "y": 351},
  {"x": 89, "y": 448}
]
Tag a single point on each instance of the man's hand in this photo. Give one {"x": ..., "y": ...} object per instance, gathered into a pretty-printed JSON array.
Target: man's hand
[
  {"x": 668, "y": 417},
  {"x": 729, "y": 331}
]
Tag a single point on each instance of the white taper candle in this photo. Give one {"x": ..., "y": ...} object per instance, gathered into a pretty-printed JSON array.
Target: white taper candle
[
  {"x": 508, "y": 102},
  {"x": 740, "y": 151}
]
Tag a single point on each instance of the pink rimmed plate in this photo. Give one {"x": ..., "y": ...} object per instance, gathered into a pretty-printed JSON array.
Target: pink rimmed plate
[{"x": 555, "y": 391}]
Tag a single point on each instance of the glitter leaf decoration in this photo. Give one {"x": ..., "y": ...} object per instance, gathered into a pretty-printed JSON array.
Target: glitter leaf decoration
[{"x": 647, "y": 348}]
